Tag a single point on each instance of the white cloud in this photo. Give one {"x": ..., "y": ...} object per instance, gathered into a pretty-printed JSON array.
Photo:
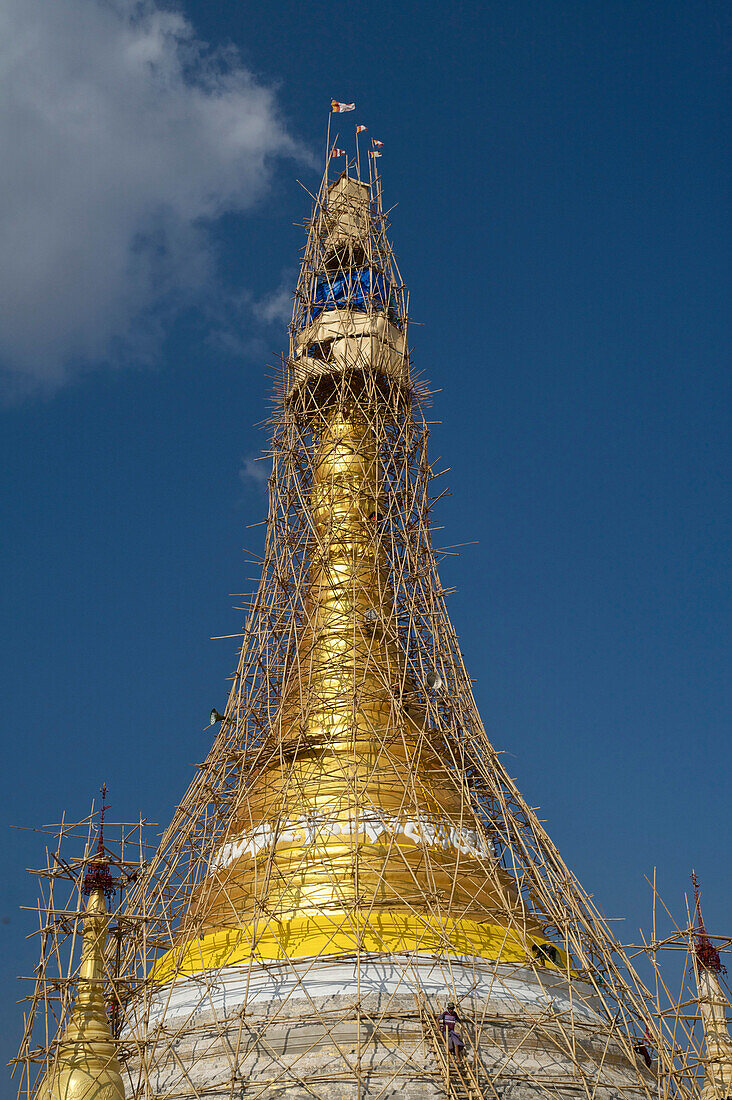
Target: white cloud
[
  {"x": 123, "y": 137},
  {"x": 276, "y": 308},
  {"x": 230, "y": 316},
  {"x": 255, "y": 471}
]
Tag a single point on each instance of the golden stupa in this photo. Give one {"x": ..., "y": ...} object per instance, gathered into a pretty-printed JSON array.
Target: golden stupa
[
  {"x": 713, "y": 1009},
  {"x": 351, "y": 855},
  {"x": 84, "y": 1065}
]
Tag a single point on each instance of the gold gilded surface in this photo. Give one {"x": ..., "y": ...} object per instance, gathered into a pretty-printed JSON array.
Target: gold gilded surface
[
  {"x": 348, "y": 744},
  {"x": 320, "y": 936},
  {"x": 85, "y": 1065}
]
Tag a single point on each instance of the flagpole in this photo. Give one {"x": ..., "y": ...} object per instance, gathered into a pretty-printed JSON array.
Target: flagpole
[
  {"x": 375, "y": 185},
  {"x": 327, "y": 148},
  {"x": 358, "y": 155}
]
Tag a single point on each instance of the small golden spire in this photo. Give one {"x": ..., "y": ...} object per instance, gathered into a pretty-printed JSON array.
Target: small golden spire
[
  {"x": 713, "y": 1009},
  {"x": 85, "y": 1065}
]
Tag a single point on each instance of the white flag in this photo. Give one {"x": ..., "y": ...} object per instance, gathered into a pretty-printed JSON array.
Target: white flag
[{"x": 337, "y": 107}]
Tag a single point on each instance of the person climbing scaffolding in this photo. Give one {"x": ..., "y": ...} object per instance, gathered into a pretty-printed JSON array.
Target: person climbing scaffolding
[{"x": 448, "y": 1021}]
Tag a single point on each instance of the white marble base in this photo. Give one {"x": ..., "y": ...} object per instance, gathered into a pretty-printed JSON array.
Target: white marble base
[{"x": 511, "y": 989}]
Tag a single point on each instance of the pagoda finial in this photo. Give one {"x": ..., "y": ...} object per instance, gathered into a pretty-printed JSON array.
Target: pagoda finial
[
  {"x": 85, "y": 1065},
  {"x": 713, "y": 1007},
  {"x": 97, "y": 876},
  {"x": 706, "y": 953}
]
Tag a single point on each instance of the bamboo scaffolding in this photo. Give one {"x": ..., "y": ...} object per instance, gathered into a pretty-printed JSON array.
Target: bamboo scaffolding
[{"x": 407, "y": 661}]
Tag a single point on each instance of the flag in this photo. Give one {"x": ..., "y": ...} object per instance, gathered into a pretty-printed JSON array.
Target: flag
[
  {"x": 376, "y": 144},
  {"x": 337, "y": 152},
  {"x": 360, "y": 129},
  {"x": 375, "y": 153},
  {"x": 337, "y": 107}
]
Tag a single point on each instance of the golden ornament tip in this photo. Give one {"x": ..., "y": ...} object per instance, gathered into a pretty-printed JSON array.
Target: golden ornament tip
[{"x": 84, "y": 1065}]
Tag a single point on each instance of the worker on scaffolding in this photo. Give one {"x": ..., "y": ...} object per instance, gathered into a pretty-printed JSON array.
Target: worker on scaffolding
[
  {"x": 448, "y": 1021},
  {"x": 643, "y": 1047}
]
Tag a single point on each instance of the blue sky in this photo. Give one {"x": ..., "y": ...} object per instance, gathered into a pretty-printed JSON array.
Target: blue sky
[{"x": 561, "y": 173}]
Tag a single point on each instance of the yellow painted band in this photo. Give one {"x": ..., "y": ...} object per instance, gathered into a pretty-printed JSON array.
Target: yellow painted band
[{"x": 307, "y": 937}]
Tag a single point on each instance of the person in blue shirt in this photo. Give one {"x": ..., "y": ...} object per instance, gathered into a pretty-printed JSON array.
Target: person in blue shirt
[{"x": 448, "y": 1021}]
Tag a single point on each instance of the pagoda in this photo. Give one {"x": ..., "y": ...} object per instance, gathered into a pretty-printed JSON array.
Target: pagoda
[
  {"x": 352, "y": 855},
  {"x": 713, "y": 1008}
]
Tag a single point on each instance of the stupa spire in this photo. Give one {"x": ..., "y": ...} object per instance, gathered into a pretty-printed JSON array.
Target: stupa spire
[
  {"x": 713, "y": 1007},
  {"x": 84, "y": 1066},
  {"x": 368, "y": 834},
  {"x": 351, "y": 855}
]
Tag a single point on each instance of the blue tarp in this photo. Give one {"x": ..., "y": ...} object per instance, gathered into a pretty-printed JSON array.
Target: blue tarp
[{"x": 361, "y": 289}]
